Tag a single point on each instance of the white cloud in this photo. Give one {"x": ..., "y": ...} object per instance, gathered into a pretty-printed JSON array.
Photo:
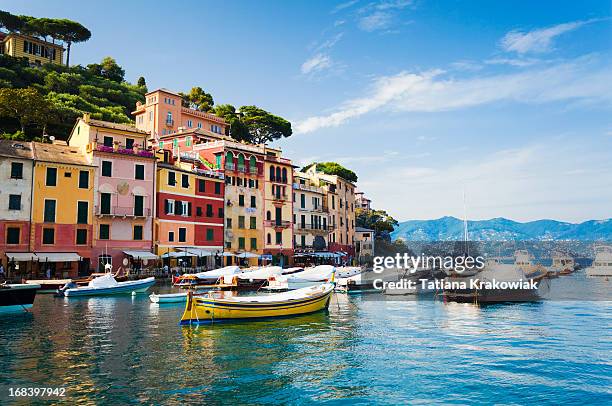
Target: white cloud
[
  {"x": 381, "y": 15},
  {"x": 317, "y": 63},
  {"x": 432, "y": 91},
  {"x": 518, "y": 62},
  {"x": 376, "y": 21},
  {"x": 539, "y": 40},
  {"x": 345, "y": 5}
]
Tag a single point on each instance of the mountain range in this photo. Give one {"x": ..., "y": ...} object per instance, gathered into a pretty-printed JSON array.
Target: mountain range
[{"x": 501, "y": 229}]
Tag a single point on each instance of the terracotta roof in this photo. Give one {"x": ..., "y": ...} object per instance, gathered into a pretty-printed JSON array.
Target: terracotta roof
[
  {"x": 59, "y": 153},
  {"x": 115, "y": 126},
  {"x": 164, "y": 90},
  {"x": 16, "y": 149}
]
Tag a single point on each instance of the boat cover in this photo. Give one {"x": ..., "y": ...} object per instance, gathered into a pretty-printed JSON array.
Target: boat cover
[{"x": 104, "y": 281}]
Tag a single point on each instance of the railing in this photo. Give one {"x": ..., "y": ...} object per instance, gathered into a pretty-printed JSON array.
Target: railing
[
  {"x": 278, "y": 180},
  {"x": 307, "y": 188},
  {"x": 230, "y": 166},
  {"x": 121, "y": 211},
  {"x": 241, "y": 168},
  {"x": 277, "y": 223},
  {"x": 313, "y": 227},
  {"x": 125, "y": 151},
  {"x": 280, "y": 197},
  {"x": 170, "y": 122}
]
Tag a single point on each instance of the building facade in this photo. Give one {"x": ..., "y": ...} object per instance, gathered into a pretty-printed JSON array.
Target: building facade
[
  {"x": 36, "y": 50},
  {"x": 311, "y": 225},
  {"x": 124, "y": 189},
  {"x": 278, "y": 207},
  {"x": 62, "y": 201},
  {"x": 16, "y": 171},
  {"x": 364, "y": 245},
  {"x": 163, "y": 114},
  {"x": 362, "y": 202}
]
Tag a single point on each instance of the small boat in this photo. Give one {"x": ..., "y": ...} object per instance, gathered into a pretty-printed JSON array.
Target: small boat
[
  {"x": 205, "y": 278},
  {"x": 602, "y": 264},
  {"x": 168, "y": 297},
  {"x": 209, "y": 309},
  {"x": 17, "y": 297},
  {"x": 107, "y": 285},
  {"x": 308, "y": 277},
  {"x": 255, "y": 279},
  {"x": 562, "y": 264},
  {"x": 347, "y": 271}
]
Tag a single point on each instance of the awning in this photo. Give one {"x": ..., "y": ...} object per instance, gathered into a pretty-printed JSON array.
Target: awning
[
  {"x": 326, "y": 255},
  {"x": 227, "y": 254},
  {"x": 20, "y": 256},
  {"x": 247, "y": 255},
  {"x": 141, "y": 254},
  {"x": 175, "y": 255},
  {"x": 197, "y": 252},
  {"x": 57, "y": 257}
]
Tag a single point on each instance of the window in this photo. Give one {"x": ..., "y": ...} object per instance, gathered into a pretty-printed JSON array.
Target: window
[
  {"x": 253, "y": 201},
  {"x": 49, "y": 215},
  {"x": 12, "y": 235},
  {"x": 284, "y": 175},
  {"x": 240, "y": 221},
  {"x": 199, "y": 211},
  {"x": 129, "y": 143},
  {"x": 171, "y": 178},
  {"x": 241, "y": 200},
  {"x": 108, "y": 141},
  {"x": 105, "y": 203},
  {"x": 81, "y": 236},
  {"x": 209, "y": 210},
  {"x": 279, "y": 237},
  {"x": 302, "y": 200},
  {"x": 48, "y": 236},
  {"x": 272, "y": 172},
  {"x": 303, "y": 241},
  {"x": 279, "y": 215},
  {"x": 107, "y": 168},
  {"x": 104, "y": 232},
  {"x": 139, "y": 206},
  {"x": 210, "y": 234},
  {"x": 269, "y": 238},
  {"x": 139, "y": 172},
  {"x": 253, "y": 223},
  {"x": 83, "y": 179},
  {"x": 169, "y": 118},
  {"x": 67, "y": 174},
  {"x": 182, "y": 234},
  {"x": 137, "y": 233},
  {"x": 189, "y": 123},
  {"x": 51, "y": 177},
  {"x": 14, "y": 202},
  {"x": 253, "y": 243},
  {"x": 185, "y": 180},
  {"x": 199, "y": 125},
  {"x": 218, "y": 188},
  {"x": 16, "y": 170},
  {"x": 220, "y": 212},
  {"x": 228, "y": 223},
  {"x": 201, "y": 185},
  {"x": 169, "y": 206},
  {"x": 171, "y": 236},
  {"x": 240, "y": 243},
  {"x": 82, "y": 212}
]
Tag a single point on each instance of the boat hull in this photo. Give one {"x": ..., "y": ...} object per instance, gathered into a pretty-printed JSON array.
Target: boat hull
[
  {"x": 491, "y": 295},
  {"x": 169, "y": 298},
  {"x": 208, "y": 310},
  {"x": 17, "y": 298},
  {"x": 128, "y": 287}
]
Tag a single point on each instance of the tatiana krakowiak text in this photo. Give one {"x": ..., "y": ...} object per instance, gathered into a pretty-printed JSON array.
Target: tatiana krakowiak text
[{"x": 442, "y": 284}]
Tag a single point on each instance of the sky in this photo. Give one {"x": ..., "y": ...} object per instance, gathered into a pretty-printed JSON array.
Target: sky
[{"x": 508, "y": 103}]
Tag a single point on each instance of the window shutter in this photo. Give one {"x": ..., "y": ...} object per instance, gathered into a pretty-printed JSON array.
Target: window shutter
[
  {"x": 178, "y": 207},
  {"x": 166, "y": 207},
  {"x": 189, "y": 209}
]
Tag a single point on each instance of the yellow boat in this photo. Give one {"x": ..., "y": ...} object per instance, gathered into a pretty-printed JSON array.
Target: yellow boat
[{"x": 209, "y": 309}]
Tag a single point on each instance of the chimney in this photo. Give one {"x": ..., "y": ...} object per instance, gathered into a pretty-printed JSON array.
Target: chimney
[{"x": 86, "y": 117}]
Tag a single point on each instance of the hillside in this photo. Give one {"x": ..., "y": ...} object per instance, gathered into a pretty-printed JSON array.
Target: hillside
[{"x": 451, "y": 228}]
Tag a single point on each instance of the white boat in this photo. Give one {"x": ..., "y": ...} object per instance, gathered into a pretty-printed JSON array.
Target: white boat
[
  {"x": 347, "y": 271},
  {"x": 562, "y": 264},
  {"x": 169, "y": 297},
  {"x": 206, "y": 278},
  {"x": 309, "y": 277},
  {"x": 107, "y": 285},
  {"x": 602, "y": 264}
]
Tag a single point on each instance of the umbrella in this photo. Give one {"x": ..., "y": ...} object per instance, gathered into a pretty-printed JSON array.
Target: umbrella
[
  {"x": 227, "y": 254},
  {"x": 247, "y": 255}
]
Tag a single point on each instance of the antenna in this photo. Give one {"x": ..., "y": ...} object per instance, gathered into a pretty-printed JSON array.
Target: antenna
[{"x": 465, "y": 224}]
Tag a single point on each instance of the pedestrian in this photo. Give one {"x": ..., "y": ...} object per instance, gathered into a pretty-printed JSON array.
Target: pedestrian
[{"x": 2, "y": 276}]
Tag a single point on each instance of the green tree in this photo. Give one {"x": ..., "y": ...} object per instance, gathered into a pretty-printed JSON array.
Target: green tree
[
  {"x": 141, "y": 82},
  {"x": 25, "y": 105},
  {"x": 333, "y": 168},
  {"x": 71, "y": 32},
  {"x": 378, "y": 220},
  {"x": 11, "y": 22},
  {"x": 263, "y": 126},
  {"x": 199, "y": 98},
  {"x": 107, "y": 68},
  {"x": 237, "y": 129}
]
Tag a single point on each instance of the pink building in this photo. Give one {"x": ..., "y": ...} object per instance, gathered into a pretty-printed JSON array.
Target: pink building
[
  {"x": 163, "y": 114},
  {"x": 124, "y": 191}
]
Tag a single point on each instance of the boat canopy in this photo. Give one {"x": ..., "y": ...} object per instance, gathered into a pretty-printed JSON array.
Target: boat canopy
[
  {"x": 57, "y": 257},
  {"x": 197, "y": 252},
  {"x": 104, "y": 281},
  {"x": 141, "y": 254},
  {"x": 21, "y": 256}
]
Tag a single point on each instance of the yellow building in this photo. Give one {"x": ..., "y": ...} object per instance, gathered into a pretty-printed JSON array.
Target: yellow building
[
  {"x": 36, "y": 50},
  {"x": 62, "y": 207},
  {"x": 278, "y": 207}
]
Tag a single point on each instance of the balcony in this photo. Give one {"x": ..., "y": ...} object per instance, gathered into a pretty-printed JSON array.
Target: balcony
[
  {"x": 230, "y": 166},
  {"x": 313, "y": 228},
  {"x": 307, "y": 188},
  {"x": 120, "y": 150},
  {"x": 278, "y": 180},
  {"x": 277, "y": 223},
  {"x": 118, "y": 211},
  {"x": 280, "y": 198},
  {"x": 170, "y": 122}
]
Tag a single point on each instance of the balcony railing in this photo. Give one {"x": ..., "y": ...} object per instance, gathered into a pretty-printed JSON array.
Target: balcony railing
[
  {"x": 277, "y": 223},
  {"x": 313, "y": 227},
  {"x": 278, "y": 180},
  {"x": 119, "y": 211},
  {"x": 307, "y": 188},
  {"x": 280, "y": 197},
  {"x": 169, "y": 122},
  {"x": 124, "y": 151},
  {"x": 230, "y": 166}
]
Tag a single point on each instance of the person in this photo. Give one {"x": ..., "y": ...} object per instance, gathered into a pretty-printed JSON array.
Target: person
[
  {"x": 2, "y": 276},
  {"x": 48, "y": 273}
]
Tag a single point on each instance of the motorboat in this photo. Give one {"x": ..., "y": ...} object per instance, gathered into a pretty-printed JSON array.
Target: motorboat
[
  {"x": 209, "y": 309},
  {"x": 347, "y": 271},
  {"x": 206, "y": 278},
  {"x": 562, "y": 264},
  {"x": 17, "y": 297},
  {"x": 602, "y": 264},
  {"x": 254, "y": 279},
  {"x": 107, "y": 285},
  {"x": 308, "y": 277},
  {"x": 168, "y": 297}
]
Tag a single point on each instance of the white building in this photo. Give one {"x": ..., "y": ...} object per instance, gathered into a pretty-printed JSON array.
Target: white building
[{"x": 311, "y": 224}]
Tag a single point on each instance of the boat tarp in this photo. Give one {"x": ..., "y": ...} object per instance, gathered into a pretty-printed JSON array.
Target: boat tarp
[
  {"x": 141, "y": 254},
  {"x": 261, "y": 273},
  {"x": 228, "y": 270},
  {"x": 104, "y": 281}
]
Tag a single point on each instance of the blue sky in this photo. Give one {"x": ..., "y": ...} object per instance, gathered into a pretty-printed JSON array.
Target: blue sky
[{"x": 509, "y": 101}]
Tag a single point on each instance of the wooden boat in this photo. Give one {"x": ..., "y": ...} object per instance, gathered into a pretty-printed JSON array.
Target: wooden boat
[
  {"x": 17, "y": 297},
  {"x": 107, "y": 285},
  {"x": 209, "y": 309}
]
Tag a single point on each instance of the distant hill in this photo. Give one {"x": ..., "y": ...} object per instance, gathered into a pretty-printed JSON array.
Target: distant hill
[{"x": 451, "y": 228}]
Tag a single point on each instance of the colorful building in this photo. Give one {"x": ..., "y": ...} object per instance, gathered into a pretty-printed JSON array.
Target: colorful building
[
  {"x": 362, "y": 202},
  {"x": 62, "y": 200},
  {"x": 35, "y": 49},
  {"x": 163, "y": 114},
  {"x": 190, "y": 210},
  {"x": 311, "y": 225},
  {"x": 278, "y": 207},
  {"x": 124, "y": 191},
  {"x": 364, "y": 245},
  {"x": 16, "y": 169}
]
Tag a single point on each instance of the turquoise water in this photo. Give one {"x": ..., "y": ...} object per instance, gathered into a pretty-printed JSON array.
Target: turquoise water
[{"x": 125, "y": 350}]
